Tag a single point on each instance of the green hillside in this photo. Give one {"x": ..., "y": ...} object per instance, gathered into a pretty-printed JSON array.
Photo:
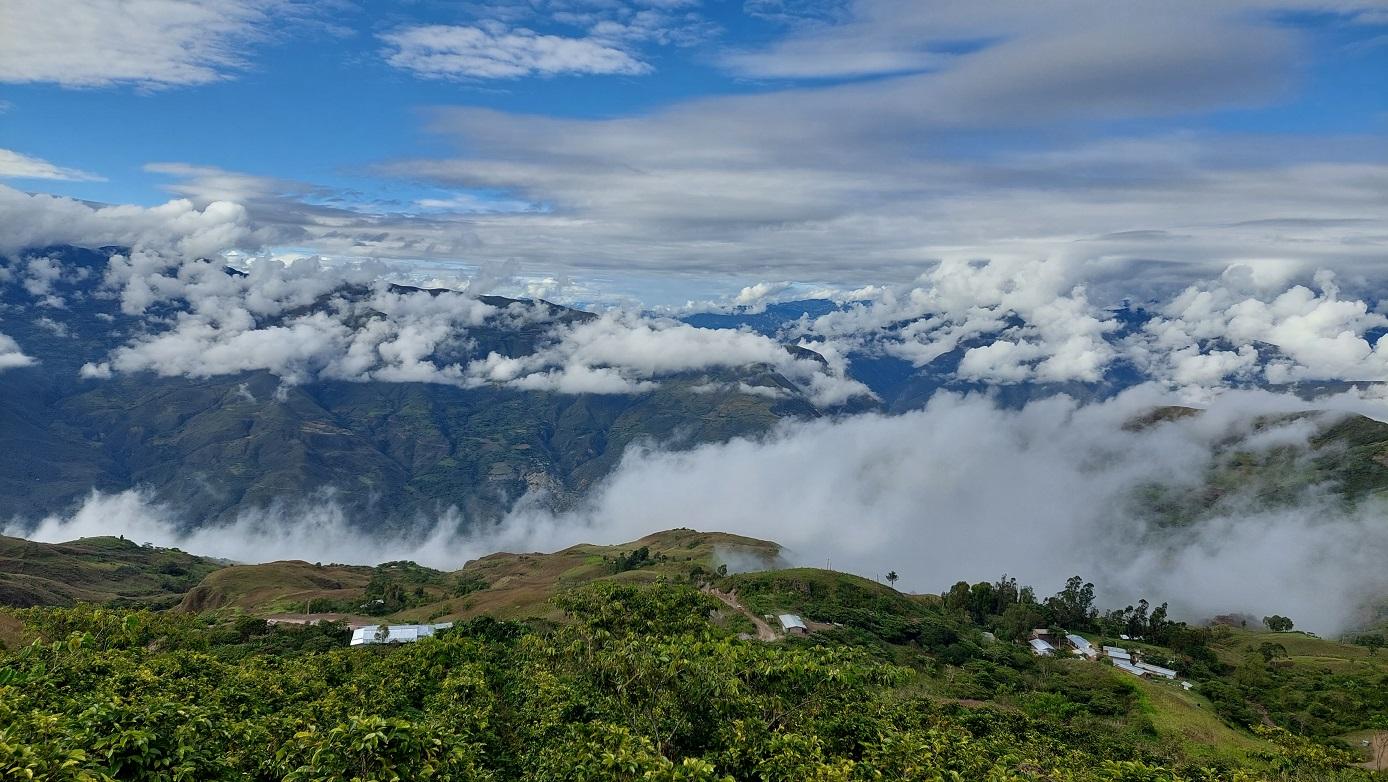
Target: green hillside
[
  {"x": 646, "y": 660},
  {"x": 96, "y": 570},
  {"x": 1346, "y": 456},
  {"x": 503, "y": 585}
]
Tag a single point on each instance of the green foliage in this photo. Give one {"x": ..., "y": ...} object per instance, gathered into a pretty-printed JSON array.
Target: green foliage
[
  {"x": 1277, "y": 624},
  {"x": 633, "y": 560},
  {"x": 635, "y": 685},
  {"x": 1371, "y": 641},
  {"x": 1308, "y": 696},
  {"x": 395, "y": 586}
]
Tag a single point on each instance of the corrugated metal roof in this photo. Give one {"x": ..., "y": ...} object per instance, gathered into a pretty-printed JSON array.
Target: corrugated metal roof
[
  {"x": 1041, "y": 647},
  {"x": 1158, "y": 670},
  {"x": 396, "y": 634},
  {"x": 792, "y": 622},
  {"x": 1124, "y": 665}
]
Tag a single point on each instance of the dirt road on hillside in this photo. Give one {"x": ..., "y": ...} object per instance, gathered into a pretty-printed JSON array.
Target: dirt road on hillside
[
  {"x": 764, "y": 631},
  {"x": 1378, "y": 748}
]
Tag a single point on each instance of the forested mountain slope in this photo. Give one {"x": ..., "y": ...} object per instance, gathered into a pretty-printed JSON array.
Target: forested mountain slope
[{"x": 389, "y": 454}]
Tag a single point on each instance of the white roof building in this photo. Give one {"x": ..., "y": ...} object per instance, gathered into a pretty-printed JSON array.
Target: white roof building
[
  {"x": 1118, "y": 653},
  {"x": 1157, "y": 670},
  {"x": 791, "y": 622},
  {"x": 1124, "y": 665},
  {"x": 1041, "y": 648},
  {"x": 395, "y": 634},
  {"x": 1082, "y": 645}
]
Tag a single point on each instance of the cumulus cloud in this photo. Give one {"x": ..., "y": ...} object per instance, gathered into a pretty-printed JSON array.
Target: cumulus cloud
[
  {"x": 621, "y": 352},
  {"x": 753, "y": 298},
  {"x": 1035, "y": 322},
  {"x": 37, "y": 220},
  {"x": 1036, "y": 317},
  {"x": 14, "y": 165},
  {"x": 492, "y": 51},
  {"x": 1212, "y": 328},
  {"x": 146, "y": 43},
  {"x": 306, "y": 322},
  {"x": 234, "y": 323},
  {"x": 10, "y": 354}
]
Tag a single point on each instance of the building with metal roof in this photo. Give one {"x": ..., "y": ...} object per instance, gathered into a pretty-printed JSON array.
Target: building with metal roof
[
  {"x": 793, "y": 624},
  {"x": 1157, "y": 670},
  {"x": 1124, "y": 665},
  {"x": 1082, "y": 646},
  {"x": 1041, "y": 648},
  {"x": 1117, "y": 653},
  {"x": 394, "y": 634}
]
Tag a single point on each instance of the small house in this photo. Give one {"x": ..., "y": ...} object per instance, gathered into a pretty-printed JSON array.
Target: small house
[
  {"x": 793, "y": 624},
  {"x": 1041, "y": 648},
  {"x": 1118, "y": 653}
]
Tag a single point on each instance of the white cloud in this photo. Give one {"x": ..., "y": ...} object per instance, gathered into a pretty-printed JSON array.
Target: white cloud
[
  {"x": 849, "y": 38},
  {"x": 13, "y": 165},
  {"x": 754, "y": 297},
  {"x": 10, "y": 354},
  {"x": 150, "y": 44},
  {"x": 37, "y": 220},
  {"x": 858, "y": 180},
  {"x": 621, "y": 352},
  {"x": 225, "y": 324},
  {"x": 493, "y": 51},
  {"x": 1212, "y": 329}
]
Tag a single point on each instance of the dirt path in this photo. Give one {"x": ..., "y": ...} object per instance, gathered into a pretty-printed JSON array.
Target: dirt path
[
  {"x": 309, "y": 619},
  {"x": 764, "y": 631},
  {"x": 1378, "y": 747}
]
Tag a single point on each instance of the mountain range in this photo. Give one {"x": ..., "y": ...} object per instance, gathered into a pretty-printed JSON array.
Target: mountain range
[
  {"x": 395, "y": 455},
  {"x": 390, "y": 451}
]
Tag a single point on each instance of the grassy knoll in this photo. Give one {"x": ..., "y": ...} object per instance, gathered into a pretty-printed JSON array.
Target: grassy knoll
[{"x": 96, "y": 570}]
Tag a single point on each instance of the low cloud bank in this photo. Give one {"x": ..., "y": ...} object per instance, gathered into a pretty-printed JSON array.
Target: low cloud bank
[{"x": 960, "y": 490}]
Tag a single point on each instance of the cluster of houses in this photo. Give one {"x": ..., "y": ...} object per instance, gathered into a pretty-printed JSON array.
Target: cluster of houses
[{"x": 1046, "y": 644}]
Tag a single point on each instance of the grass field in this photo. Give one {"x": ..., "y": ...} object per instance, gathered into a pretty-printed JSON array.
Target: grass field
[
  {"x": 96, "y": 570},
  {"x": 519, "y": 585},
  {"x": 277, "y": 586},
  {"x": 1302, "y": 649},
  {"x": 1188, "y": 720},
  {"x": 512, "y": 585}
]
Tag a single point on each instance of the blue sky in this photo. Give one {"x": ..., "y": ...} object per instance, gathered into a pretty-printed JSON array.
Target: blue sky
[{"x": 702, "y": 145}]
